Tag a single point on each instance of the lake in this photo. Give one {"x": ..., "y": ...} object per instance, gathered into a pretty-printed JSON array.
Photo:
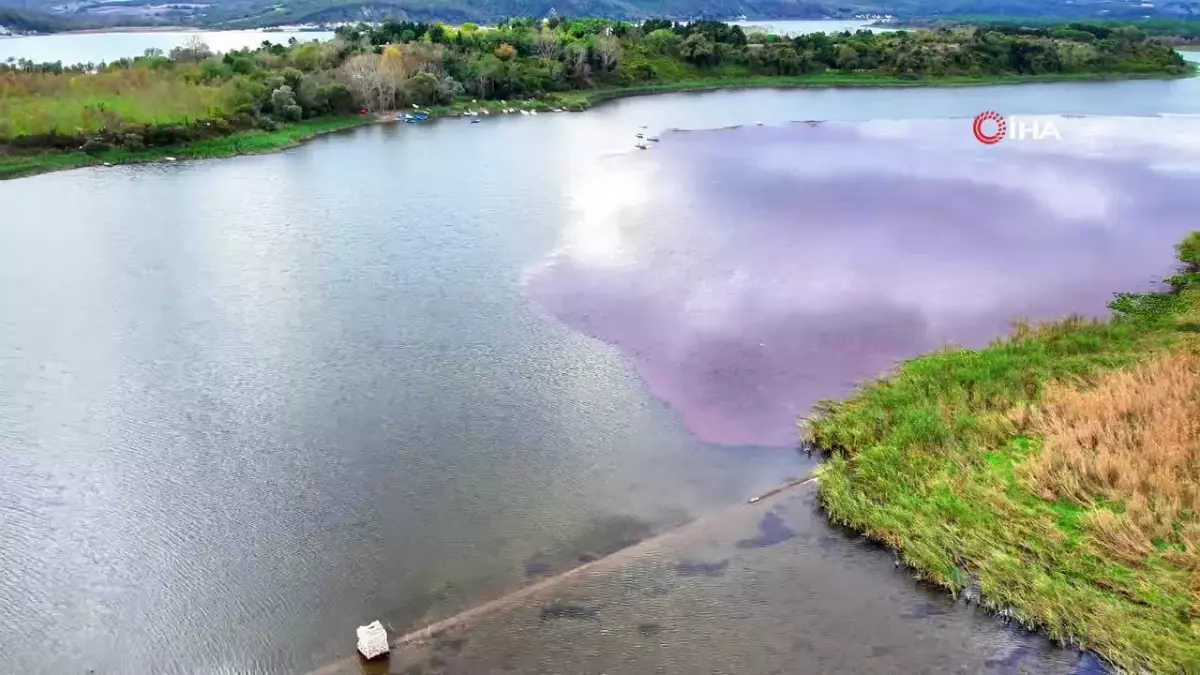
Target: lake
[
  {"x": 249, "y": 404},
  {"x": 72, "y": 48},
  {"x": 790, "y": 27}
]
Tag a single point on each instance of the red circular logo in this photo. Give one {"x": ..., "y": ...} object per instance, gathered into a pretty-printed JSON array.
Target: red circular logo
[{"x": 983, "y": 118}]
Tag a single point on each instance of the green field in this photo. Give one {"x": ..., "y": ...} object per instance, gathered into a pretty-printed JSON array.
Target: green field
[
  {"x": 1056, "y": 472},
  {"x": 74, "y": 104}
]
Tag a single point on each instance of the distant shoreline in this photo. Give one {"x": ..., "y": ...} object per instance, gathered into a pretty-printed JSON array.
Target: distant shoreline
[
  {"x": 253, "y": 142},
  {"x": 133, "y": 29}
]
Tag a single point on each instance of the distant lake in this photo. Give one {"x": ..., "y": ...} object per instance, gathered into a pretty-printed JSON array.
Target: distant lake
[
  {"x": 72, "y": 48},
  {"x": 804, "y": 27}
]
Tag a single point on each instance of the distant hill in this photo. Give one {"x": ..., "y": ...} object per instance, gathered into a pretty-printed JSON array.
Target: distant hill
[{"x": 51, "y": 15}]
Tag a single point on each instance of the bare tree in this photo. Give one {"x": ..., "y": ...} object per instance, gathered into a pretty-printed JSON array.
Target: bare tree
[
  {"x": 608, "y": 53},
  {"x": 547, "y": 45},
  {"x": 577, "y": 62},
  {"x": 359, "y": 73},
  {"x": 193, "y": 49},
  {"x": 390, "y": 75}
]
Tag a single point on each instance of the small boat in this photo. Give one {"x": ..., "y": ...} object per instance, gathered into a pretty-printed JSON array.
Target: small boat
[
  {"x": 758, "y": 124},
  {"x": 169, "y": 159},
  {"x": 652, "y": 138},
  {"x": 475, "y": 121},
  {"x": 524, "y": 112},
  {"x": 422, "y": 116},
  {"x": 639, "y": 135},
  {"x": 642, "y": 146},
  {"x": 532, "y": 112},
  {"x": 486, "y": 112}
]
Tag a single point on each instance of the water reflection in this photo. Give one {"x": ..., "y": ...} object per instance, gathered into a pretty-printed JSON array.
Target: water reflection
[{"x": 749, "y": 271}]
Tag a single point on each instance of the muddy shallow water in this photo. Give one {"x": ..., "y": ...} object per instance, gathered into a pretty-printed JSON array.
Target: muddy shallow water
[{"x": 760, "y": 589}]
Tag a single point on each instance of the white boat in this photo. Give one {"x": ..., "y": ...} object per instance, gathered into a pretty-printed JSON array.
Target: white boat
[{"x": 532, "y": 112}]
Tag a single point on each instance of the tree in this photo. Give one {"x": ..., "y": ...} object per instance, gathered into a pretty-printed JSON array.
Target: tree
[
  {"x": 423, "y": 89},
  {"x": 546, "y": 45},
  {"x": 608, "y": 53},
  {"x": 575, "y": 61},
  {"x": 359, "y": 75},
  {"x": 192, "y": 50},
  {"x": 698, "y": 50},
  {"x": 505, "y": 52},
  {"x": 664, "y": 41},
  {"x": 847, "y": 58},
  {"x": 283, "y": 104},
  {"x": 389, "y": 76}
]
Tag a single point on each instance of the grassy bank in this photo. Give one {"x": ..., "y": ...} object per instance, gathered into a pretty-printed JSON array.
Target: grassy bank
[
  {"x": 240, "y": 143},
  {"x": 1056, "y": 473}
]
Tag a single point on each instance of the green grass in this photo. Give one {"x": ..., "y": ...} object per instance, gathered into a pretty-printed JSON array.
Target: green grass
[
  {"x": 241, "y": 143},
  {"x": 80, "y": 104},
  {"x": 927, "y": 462}
]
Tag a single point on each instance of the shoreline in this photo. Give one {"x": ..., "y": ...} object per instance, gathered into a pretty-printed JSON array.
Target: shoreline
[
  {"x": 257, "y": 142},
  {"x": 981, "y": 469}
]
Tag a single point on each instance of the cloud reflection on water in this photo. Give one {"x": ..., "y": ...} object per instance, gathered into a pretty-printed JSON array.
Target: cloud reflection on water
[{"x": 749, "y": 272}]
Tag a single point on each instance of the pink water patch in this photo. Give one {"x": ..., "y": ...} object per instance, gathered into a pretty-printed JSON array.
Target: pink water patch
[{"x": 749, "y": 273}]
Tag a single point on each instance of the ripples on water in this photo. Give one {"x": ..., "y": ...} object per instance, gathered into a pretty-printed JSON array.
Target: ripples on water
[
  {"x": 749, "y": 272},
  {"x": 248, "y": 404}
]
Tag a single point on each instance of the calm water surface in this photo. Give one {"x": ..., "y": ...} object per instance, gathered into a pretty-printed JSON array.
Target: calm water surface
[
  {"x": 804, "y": 27},
  {"x": 247, "y": 404}
]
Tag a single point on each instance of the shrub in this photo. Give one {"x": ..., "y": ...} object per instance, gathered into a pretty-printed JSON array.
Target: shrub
[
  {"x": 96, "y": 146},
  {"x": 133, "y": 141}
]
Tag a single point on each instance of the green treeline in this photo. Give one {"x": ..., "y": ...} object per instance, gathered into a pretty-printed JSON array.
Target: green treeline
[
  {"x": 192, "y": 94},
  {"x": 1171, "y": 31}
]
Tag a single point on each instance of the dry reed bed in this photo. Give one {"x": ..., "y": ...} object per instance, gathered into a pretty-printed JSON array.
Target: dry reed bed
[{"x": 1131, "y": 441}]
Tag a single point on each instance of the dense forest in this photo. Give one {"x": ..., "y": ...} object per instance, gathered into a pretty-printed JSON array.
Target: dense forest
[
  {"x": 191, "y": 94},
  {"x": 1170, "y": 31}
]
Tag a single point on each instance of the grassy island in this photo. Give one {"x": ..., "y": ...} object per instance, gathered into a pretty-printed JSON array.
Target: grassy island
[
  {"x": 1055, "y": 474},
  {"x": 194, "y": 103}
]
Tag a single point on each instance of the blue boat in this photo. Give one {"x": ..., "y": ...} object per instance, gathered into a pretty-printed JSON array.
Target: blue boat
[
  {"x": 422, "y": 116},
  {"x": 475, "y": 121}
]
